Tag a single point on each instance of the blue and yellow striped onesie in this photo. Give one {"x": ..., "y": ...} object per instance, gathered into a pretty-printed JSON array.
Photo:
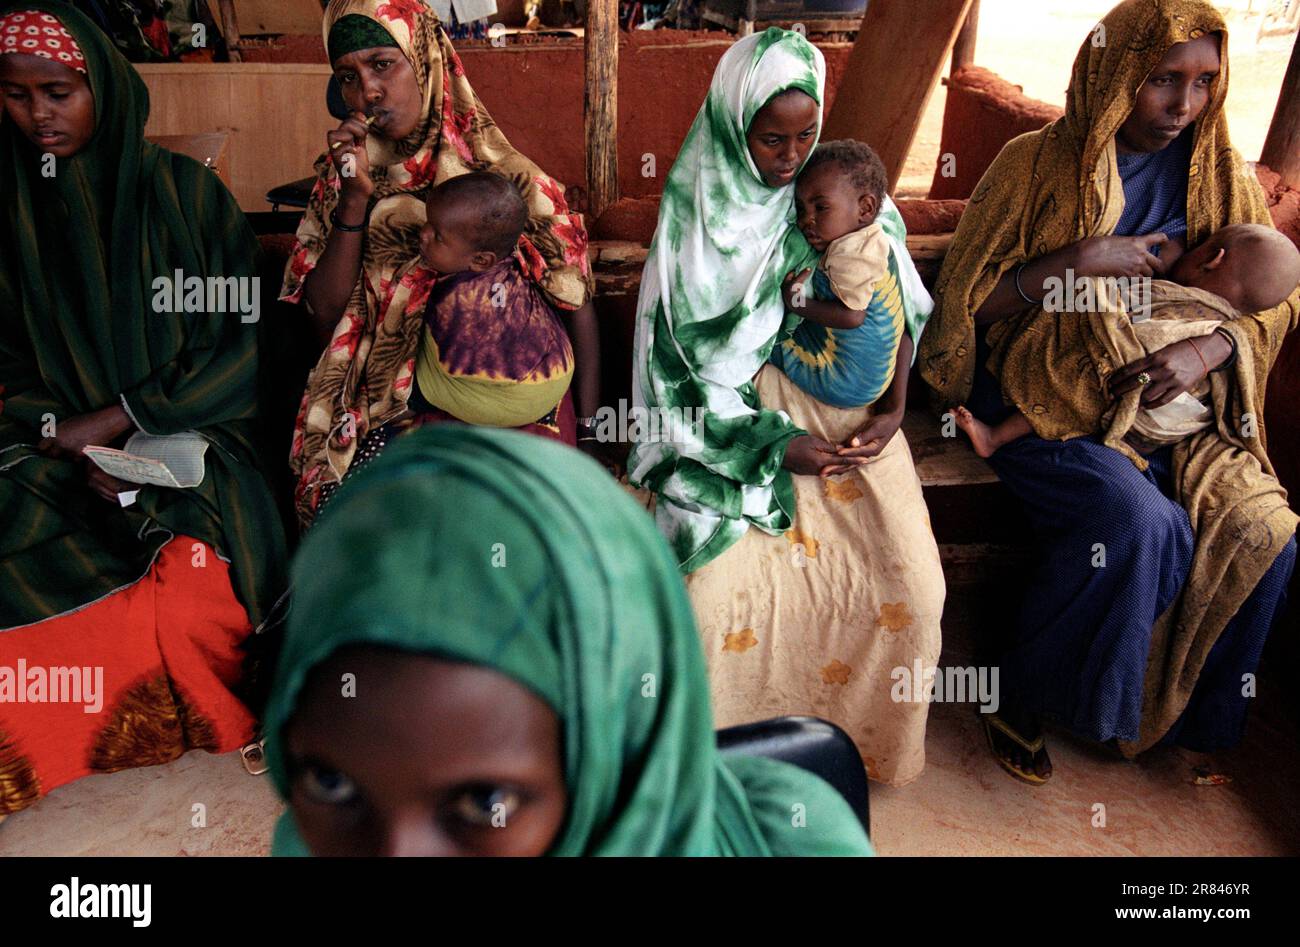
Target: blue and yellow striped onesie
[{"x": 849, "y": 368}]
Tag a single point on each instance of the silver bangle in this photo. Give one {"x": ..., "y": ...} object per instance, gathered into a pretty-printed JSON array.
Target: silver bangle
[{"x": 1020, "y": 290}]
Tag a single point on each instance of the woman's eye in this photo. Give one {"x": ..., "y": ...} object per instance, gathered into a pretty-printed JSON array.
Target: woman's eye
[
  {"x": 346, "y": 78},
  {"x": 485, "y": 805},
  {"x": 328, "y": 786},
  {"x": 383, "y": 64}
]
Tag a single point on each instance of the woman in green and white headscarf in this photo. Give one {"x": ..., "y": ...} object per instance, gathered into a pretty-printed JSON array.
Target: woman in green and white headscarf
[
  {"x": 490, "y": 652},
  {"x": 818, "y": 621}
]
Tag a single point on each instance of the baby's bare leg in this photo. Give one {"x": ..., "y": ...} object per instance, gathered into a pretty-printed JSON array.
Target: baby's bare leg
[{"x": 987, "y": 439}]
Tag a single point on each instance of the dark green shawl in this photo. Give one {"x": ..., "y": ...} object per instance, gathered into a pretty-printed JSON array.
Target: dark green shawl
[
  {"x": 78, "y": 256},
  {"x": 516, "y": 553}
]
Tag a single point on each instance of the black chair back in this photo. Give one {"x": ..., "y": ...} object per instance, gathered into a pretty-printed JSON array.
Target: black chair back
[{"x": 815, "y": 745}]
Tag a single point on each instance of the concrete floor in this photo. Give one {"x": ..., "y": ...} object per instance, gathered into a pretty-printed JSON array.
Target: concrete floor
[{"x": 961, "y": 805}]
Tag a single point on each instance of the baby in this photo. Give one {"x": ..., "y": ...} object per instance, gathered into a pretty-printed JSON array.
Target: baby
[
  {"x": 1241, "y": 268},
  {"x": 845, "y": 351},
  {"x": 493, "y": 351}
]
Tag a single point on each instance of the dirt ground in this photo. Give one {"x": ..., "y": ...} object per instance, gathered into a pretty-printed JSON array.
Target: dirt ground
[{"x": 1032, "y": 43}]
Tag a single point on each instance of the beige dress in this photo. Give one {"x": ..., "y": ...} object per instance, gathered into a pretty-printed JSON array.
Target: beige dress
[{"x": 817, "y": 621}]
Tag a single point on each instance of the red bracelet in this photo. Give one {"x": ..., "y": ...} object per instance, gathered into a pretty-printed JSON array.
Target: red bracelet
[{"x": 1196, "y": 348}]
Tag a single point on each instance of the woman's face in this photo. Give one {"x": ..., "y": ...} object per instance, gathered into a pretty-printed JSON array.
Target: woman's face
[
  {"x": 1172, "y": 97},
  {"x": 415, "y": 755},
  {"x": 781, "y": 135},
  {"x": 381, "y": 82},
  {"x": 50, "y": 103}
]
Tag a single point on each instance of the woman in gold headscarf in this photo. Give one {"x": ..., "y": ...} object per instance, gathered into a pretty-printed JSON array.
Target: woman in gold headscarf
[
  {"x": 415, "y": 123},
  {"x": 1162, "y": 574}
]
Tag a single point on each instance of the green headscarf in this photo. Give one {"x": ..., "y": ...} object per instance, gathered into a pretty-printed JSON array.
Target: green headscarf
[
  {"x": 509, "y": 551},
  {"x": 79, "y": 254},
  {"x": 353, "y": 32}
]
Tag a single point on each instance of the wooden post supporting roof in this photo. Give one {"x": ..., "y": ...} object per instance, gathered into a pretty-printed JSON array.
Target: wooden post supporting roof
[
  {"x": 963, "y": 49},
  {"x": 600, "y": 105},
  {"x": 1282, "y": 146},
  {"x": 230, "y": 27},
  {"x": 893, "y": 67}
]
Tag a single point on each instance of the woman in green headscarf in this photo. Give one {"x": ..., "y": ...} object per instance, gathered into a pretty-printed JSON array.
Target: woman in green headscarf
[
  {"x": 95, "y": 225},
  {"x": 517, "y": 673},
  {"x": 811, "y": 591}
]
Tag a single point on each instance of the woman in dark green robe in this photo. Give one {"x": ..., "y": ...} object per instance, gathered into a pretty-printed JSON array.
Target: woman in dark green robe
[{"x": 96, "y": 227}]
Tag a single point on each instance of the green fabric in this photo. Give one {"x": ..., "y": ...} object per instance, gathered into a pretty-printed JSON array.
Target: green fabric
[
  {"x": 586, "y": 610},
  {"x": 710, "y": 311},
  {"x": 353, "y": 32},
  {"x": 79, "y": 253}
]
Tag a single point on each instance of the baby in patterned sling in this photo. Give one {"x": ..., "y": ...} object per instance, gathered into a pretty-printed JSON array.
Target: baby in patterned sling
[
  {"x": 493, "y": 352},
  {"x": 846, "y": 350}
]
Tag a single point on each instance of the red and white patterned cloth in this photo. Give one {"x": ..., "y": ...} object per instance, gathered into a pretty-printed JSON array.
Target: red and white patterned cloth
[{"x": 40, "y": 34}]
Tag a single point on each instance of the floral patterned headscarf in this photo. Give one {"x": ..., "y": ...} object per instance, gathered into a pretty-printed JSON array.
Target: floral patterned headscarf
[{"x": 363, "y": 379}]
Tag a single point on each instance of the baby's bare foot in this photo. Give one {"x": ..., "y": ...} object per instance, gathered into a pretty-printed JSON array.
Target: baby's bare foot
[{"x": 980, "y": 434}]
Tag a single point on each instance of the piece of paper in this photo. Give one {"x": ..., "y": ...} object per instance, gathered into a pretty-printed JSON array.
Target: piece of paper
[
  {"x": 127, "y": 497},
  {"x": 173, "y": 460}
]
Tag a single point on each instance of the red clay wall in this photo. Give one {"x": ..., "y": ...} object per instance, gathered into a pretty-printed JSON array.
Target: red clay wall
[
  {"x": 534, "y": 92},
  {"x": 983, "y": 112}
]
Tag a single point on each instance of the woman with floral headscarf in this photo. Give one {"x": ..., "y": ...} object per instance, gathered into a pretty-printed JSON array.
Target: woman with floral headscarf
[
  {"x": 811, "y": 591},
  {"x": 1161, "y": 574},
  {"x": 415, "y": 122}
]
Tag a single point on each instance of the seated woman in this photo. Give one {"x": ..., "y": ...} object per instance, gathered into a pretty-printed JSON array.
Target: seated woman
[
  {"x": 839, "y": 584},
  {"x": 1160, "y": 575},
  {"x": 357, "y": 267},
  {"x": 121, "y": 625},
  {"x": 558, "y": 680}
]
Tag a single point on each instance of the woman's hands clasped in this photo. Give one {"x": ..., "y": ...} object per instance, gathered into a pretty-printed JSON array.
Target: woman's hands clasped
[{"x": 814, "y": 457}]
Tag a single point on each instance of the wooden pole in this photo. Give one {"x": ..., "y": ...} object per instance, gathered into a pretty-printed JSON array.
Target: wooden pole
[
  {"x": 893, "y": 68},
  {"x": 600, "y": 105},
  {"x": 963, "y": 50},
  {"x": 230, "y": 27},
  {"x": 1282, "y": 146}
]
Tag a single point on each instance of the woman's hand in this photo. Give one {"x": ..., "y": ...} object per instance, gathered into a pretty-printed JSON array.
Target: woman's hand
[
  {"x": 807, "y": 455},
  {"x": 795, "y": 298},
  {"x": 347, "y": 148},
  {"x": 1119, "y": 256},
  {"x": 106, "y": 485},
  {"x": 867, "y": 443},
  {"x": 1178, "y": 367},
  {"x": 98, "y": 429}
]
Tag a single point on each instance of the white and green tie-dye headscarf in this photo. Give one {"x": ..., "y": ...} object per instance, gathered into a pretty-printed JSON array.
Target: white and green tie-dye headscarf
[{"x": 710, "y": 311}]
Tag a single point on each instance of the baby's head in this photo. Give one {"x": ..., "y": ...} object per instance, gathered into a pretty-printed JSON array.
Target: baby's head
[
  {"x": 1252, "y": 266},
  {"x": 840, "y": 190},
  {"x": 474, "y": 221}
]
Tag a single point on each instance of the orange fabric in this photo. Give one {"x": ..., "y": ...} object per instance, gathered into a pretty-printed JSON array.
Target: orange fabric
[{"x": 170, "y": 649}]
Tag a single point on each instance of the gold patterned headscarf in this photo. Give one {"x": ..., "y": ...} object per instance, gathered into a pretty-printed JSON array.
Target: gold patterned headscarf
[{"x": 364, "y": 377}]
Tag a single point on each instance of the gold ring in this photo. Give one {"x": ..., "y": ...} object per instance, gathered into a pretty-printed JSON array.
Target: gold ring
[{"x": 1144, "y": 379}]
